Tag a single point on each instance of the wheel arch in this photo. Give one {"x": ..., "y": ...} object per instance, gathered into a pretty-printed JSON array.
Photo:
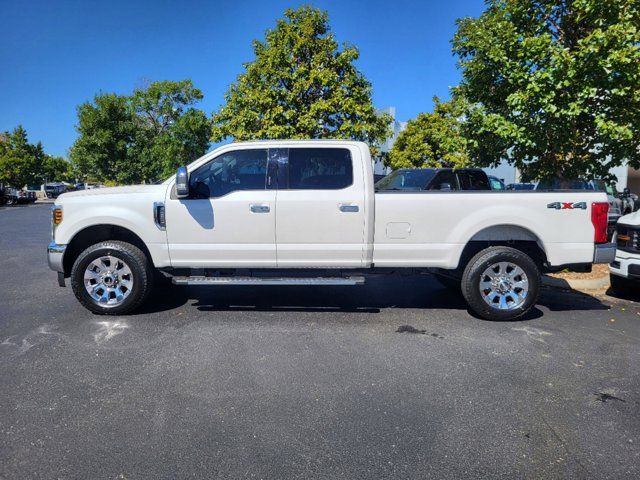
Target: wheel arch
[
  {"x": 99, "y": 233},
  {"x": 508, "y": 235}
]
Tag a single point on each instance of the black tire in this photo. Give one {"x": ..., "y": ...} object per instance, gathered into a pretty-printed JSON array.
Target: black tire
[
  {"x": 622, "y": 286},
  {"x": 11, "y": 202},
  {"x": 447, "y": 280},
  {"x": 474, "y": 270},
  {"x": 138, "y": 263}
]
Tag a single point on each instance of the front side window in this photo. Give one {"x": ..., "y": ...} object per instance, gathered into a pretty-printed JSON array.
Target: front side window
[
  {"x": 230, "y": 172},
  {"x": 320, "y": 168}
]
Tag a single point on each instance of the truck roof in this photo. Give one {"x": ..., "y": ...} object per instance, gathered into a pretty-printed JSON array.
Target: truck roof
[
  {"x": 434, "y": 169},
  {"x": 301, "y": 141}
]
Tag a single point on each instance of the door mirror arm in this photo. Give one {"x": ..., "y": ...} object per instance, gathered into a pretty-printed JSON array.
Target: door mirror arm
[{"x": 182, "y": 183}]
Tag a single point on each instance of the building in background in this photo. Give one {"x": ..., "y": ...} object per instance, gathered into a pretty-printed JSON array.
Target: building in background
[{"x": 378, "y": 166}]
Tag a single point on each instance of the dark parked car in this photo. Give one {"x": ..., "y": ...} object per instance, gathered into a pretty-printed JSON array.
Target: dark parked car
[
  {"x": 14, "y": 196},
  {"x": 443, "y": 179},
  {"x": 54, "y": 189}
]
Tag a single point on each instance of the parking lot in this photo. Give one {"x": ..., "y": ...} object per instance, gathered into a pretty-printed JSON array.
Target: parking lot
[{"x": 294, "y": 382}]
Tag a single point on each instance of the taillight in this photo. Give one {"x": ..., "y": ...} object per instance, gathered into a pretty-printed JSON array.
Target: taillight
[{"x": 599, "y": 218}]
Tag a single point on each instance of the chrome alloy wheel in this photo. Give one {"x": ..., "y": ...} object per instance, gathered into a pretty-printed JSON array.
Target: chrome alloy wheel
[
  {"x": 108, "y": 281},
  {"x": 504, "y": 286}
]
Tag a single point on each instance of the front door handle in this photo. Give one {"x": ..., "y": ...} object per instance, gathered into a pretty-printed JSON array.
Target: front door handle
[
  {"x": 259, "y": 208},
  {"x": 348, "y": 207}
]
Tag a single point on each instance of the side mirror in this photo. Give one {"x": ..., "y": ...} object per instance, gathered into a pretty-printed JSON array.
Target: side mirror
[
  {"x": 182, "y": 183},
  {"x": 445, "y": 187}
]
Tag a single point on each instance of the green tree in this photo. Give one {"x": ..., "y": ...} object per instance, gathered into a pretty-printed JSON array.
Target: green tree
[
  {"x": 433, "y": 139},
  {"x": 23, "y": 163},
  {"x": 143, "y": 136},
  {"x": 553, "y": 84},
  {"x": 106, "y": 131},
  {"x": 301, "y": 85},
  {"x": 168, "y": 134},
  {"x": 56, "y": 169},
  {"x": 20, "y": 161}
]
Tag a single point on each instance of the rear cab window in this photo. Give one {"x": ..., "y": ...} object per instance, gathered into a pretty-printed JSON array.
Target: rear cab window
[{"x": 319, "y": 169}]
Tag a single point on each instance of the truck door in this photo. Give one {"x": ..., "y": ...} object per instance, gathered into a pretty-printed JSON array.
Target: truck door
[
  {"x": 229, "y": 218},
  {"x": 321, "y": 208}
]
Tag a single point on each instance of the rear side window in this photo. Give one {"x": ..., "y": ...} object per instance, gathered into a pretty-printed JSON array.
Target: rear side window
[
  {"x": 473, "y": 181},
  {"x": 320, "y": 168}
]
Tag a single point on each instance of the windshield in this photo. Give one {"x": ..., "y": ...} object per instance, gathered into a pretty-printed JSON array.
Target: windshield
[{"x": 406, "y": 180}]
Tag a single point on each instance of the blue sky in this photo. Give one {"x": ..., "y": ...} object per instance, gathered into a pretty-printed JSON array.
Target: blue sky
[{"x": 56, "y": 55}]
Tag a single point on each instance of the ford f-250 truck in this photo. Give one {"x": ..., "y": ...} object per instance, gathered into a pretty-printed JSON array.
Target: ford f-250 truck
[{"x": 306, "y": 213}]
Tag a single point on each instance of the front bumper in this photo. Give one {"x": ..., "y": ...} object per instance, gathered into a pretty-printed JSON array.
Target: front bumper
[
  {"x": 604, "y": 253},
  {"x": 626, "y": 264},
  {"x": 55, "y": 255}
]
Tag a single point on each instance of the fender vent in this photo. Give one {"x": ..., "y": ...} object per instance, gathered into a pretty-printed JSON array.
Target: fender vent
[{"x": 159, "y": 215}]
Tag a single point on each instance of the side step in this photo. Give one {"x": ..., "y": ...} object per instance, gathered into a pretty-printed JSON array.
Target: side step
[{"x": 357, "y": 280}]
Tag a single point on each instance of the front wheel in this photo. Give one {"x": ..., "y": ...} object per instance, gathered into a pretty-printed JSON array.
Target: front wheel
[
  {"x": 501, "y": 283},
  {"x": 111, "y": 278}
]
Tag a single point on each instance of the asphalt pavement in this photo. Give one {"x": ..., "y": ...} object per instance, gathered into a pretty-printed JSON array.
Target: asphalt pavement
[{"x": 300, "y": 382}]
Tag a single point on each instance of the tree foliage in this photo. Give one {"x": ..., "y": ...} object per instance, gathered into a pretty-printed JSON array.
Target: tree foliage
[
  {"x": 143, "y": 136},
  {"x": 553, "y": 84},
  {"x": 23, "y": 163},
  {"x": 433, "y": 139},
  {"x": 301, "y": 85}
]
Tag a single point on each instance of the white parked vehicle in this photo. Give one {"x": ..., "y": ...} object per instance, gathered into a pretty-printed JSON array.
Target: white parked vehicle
[
  {"x": 625, "y": 268},
  {"x": 306, "y": 213}
]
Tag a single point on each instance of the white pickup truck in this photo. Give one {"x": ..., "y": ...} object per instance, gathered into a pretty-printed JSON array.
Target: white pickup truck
[{"x": 305, "y": 212}]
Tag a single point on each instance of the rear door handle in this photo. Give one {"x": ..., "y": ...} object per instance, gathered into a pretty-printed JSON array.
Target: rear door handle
[
  {"x": 259, "y": 208},
  {"x": 348, "y": 207}
]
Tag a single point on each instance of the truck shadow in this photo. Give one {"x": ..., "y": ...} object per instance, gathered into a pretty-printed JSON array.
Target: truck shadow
[{"x": 388, "y": 291}]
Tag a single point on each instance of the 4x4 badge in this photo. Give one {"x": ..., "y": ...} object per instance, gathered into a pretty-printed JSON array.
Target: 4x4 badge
[{"x": 567, "y": 205}]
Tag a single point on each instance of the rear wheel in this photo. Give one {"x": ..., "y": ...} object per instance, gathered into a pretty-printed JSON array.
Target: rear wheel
[
  {"x": 111, "y": 278},
  {"x": 501, "y": 283}
]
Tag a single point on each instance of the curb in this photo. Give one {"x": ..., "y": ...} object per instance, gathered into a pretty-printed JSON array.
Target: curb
[{"x": 576, "y": 284}]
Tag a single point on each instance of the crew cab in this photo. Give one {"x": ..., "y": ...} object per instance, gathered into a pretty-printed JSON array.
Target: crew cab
[{"x": 305, "y": 212}]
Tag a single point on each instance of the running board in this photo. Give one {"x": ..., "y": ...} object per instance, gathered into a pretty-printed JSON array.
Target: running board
[{"x": 357, "y": 280}]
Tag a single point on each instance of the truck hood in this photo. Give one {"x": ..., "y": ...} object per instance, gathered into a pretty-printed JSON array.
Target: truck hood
[
  {"x": 115, "y": 190},
  {"x": 632, "y": 219}
]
